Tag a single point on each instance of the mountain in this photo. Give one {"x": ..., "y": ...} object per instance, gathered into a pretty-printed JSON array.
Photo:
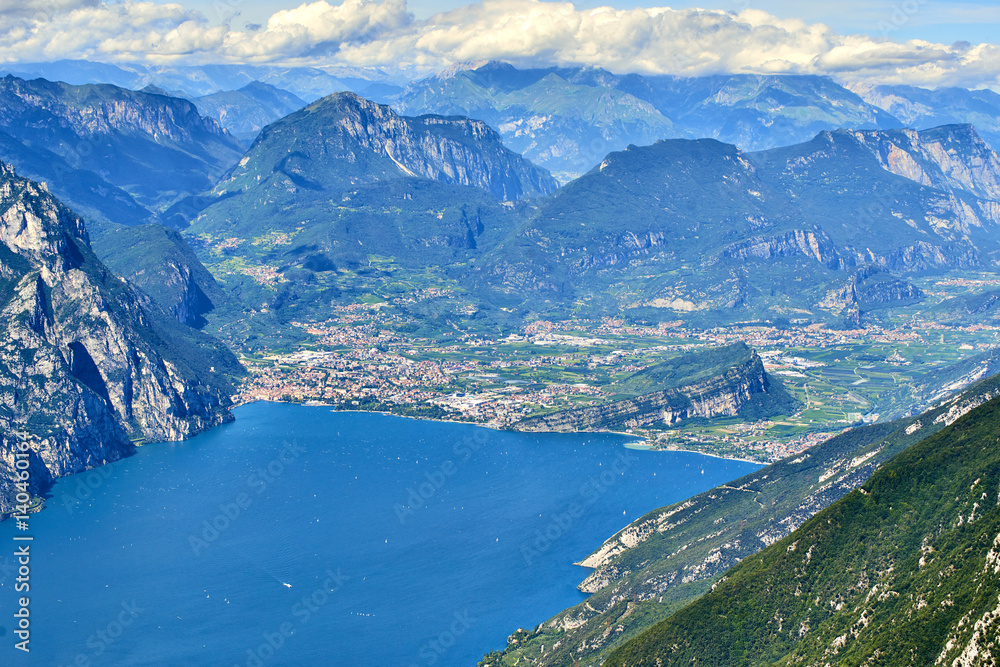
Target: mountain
[
  {"x": 345, "y": 184},
  {"x": 158, "y": 261},
  {"x": 568, "y": 119},
  {"x": 246, "y": 111},
  {"x": 709, "y": 383},
  {"x": 115, "y": 155},
  {"x": 673, "y": 555},
  {"x": 704, "y": 229},
  {"x": 922, "y": 108},
  {"x": 901, "y": 571},
  {"x": 980, "y": 308},
  {"x": 309, "y": 83},
  {"x": 88, "y": 365}
]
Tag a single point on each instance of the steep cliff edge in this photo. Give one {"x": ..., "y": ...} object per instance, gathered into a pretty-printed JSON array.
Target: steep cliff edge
[
  {"x": 727, "y": 381},
  {"x": 87, "y": 364}
]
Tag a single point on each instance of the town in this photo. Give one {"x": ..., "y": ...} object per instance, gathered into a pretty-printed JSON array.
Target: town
[{"x": 364, "y": 358}]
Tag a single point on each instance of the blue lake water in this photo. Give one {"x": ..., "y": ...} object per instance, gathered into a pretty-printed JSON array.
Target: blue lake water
[{"x": 301, "y": 536}]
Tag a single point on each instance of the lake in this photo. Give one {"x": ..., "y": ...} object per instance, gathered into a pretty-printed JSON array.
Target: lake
[{"x": 298, "y": 535}]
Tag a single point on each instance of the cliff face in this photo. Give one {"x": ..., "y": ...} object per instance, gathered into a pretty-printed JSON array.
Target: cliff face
[
  {"x": 86, "y": 363},
  {"x": 726, "y": 393},
  {"x": 370, "y": 142},
  {"x": 112, "y": 154}
]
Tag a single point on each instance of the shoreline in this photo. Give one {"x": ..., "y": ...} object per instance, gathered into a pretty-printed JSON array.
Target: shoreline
[{"x": 640, "y": 443}]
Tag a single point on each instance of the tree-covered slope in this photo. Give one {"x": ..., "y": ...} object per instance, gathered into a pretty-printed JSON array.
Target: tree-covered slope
[
  {"x": 902, "y": 571},
  {"x": 672, "y": 555},
  {"x": 345, "y": 184}
]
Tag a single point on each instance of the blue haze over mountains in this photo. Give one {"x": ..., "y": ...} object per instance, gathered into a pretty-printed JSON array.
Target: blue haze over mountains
[{"x": 566, "y": 119}]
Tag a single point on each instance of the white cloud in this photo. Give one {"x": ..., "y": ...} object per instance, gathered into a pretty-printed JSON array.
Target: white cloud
[
  {"x": 526, "y": 32},
  {"x": 40, "y": 9}
]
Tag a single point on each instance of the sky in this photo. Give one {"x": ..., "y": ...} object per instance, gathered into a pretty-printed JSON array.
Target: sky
[{"x": 928, "y": 43}]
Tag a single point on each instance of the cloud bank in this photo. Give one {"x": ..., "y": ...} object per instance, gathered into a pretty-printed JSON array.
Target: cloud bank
[{"x": 526, "y": 32}]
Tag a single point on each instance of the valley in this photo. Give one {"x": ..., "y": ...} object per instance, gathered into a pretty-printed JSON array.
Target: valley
[{"x": 379, "y": 356}]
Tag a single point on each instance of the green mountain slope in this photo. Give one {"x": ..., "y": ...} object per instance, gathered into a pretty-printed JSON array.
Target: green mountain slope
[
  {"x": 901, "y": 571},
  {"x": 347, "y": 186},
  {"x": 158, "y": 260},
  {"x": 674, "y": 554}
]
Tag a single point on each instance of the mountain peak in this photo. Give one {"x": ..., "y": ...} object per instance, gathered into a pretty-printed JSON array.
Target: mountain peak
[{"x": 473, "y": 65}]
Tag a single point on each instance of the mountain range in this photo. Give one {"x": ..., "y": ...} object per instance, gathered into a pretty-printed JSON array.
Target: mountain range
[
  {"x": 703, "y": 228},
  {"x": 336, "y": 200},
  {"x": 117, "y": 156},
  {"x": 190, "y": 81},
  {"x": 568, "y": 119}
]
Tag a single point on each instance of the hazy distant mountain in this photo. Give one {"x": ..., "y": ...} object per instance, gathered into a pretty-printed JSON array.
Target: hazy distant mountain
[
  {"x": 704, "y": 228},
  {"x": 114, "y": 155},
  {"x": 921, "y": 108},
  {"x": 309, "y": 83},
  {"x": 246, "y": 111},
  {"x": 568, "y": 119}
]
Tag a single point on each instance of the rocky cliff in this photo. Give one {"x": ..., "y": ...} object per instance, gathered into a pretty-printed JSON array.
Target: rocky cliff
[
  {"x": 112, "y": 154},
  {"x": 371, "y": 142},
  {"x": 87, "y": 364},
  {"x": 730, "y": 390}
]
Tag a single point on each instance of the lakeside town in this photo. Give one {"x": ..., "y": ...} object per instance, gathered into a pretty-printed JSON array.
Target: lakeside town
[{"x": 362, "y": 359}]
